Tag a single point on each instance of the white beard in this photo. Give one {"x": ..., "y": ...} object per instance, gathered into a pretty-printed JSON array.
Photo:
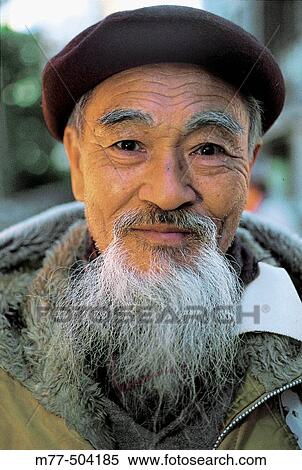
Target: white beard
[{"x": 155, "y": 332}]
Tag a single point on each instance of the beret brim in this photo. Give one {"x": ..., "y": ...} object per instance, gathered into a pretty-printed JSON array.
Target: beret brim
[{"x": 159, "y": 34}]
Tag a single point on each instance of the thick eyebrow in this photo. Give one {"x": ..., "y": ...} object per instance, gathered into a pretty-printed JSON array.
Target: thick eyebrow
[
  {"x": 198, "y": 121},
  {"x": 124, "y": 114},
  {"x": 213, "y": 118}
]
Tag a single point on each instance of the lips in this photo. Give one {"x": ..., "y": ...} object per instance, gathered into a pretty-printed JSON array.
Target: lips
[{"x": 163, "y": 233}]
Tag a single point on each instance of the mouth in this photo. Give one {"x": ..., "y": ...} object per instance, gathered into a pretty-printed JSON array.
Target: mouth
[{"x": 162, "y": 234}]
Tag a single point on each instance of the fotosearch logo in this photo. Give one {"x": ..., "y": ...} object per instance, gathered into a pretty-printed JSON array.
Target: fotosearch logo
[{"x": 137, "y": 314}]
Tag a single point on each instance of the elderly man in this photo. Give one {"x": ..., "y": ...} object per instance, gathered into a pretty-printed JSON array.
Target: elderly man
[{"x": 163, "y": 318}]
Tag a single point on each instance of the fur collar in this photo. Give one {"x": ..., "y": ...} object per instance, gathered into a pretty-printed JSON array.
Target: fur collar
[{"x": 32, "y": 250}]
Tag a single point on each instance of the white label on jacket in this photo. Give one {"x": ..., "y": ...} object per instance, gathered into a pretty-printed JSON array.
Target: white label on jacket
[{"x": 271, "y": 303}]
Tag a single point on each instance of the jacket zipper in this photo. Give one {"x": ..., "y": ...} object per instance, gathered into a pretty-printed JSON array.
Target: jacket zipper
[{"x": 252, "y": 408}]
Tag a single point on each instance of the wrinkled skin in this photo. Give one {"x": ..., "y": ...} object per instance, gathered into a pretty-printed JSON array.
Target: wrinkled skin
[{"x": 164, "y": 168}]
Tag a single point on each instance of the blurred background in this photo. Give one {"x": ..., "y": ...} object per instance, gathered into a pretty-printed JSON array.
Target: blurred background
[{"x": 34, "y": 172}]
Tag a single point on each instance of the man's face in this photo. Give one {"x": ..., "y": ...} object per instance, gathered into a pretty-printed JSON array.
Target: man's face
[
  {"x": 162, "y": 167},
  {"x": 180, "y": 142}
]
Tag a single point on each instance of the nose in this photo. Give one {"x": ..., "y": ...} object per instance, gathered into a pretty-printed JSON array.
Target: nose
[{"x": 167, "y": 183}]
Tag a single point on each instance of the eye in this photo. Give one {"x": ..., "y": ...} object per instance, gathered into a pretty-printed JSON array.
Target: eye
[
  {"x": 128, "y": 145},
  {"x": 209, "y": 149}
]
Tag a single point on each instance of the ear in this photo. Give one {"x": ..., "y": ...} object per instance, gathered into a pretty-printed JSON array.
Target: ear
[
  {"x": 256, "y": 151},
  {"x": 73, "y": 150}
]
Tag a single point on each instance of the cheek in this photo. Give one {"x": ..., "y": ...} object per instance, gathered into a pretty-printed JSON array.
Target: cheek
[
  {"x": 107, "y": 192},
  {"x": 96, "y": 204},
  {"x": 223, "y": 193},
  {"x": 224, "y": 197},
  {"x": 96, "y": 220}
]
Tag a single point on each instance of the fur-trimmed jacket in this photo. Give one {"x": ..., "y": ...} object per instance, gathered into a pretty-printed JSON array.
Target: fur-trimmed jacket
[{"x": 41, "y": 409}]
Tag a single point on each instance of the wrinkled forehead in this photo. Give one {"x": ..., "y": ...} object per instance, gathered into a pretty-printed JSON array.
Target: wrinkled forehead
[{"x": 169, "y": 86}]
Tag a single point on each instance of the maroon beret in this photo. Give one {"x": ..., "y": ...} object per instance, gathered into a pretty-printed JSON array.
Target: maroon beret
[{"x": 157, "y": 34}]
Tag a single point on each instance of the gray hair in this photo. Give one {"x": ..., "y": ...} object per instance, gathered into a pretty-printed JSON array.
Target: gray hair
[
  {"x": 77, "y": 117},
  {"x": 253, "y": 107}
]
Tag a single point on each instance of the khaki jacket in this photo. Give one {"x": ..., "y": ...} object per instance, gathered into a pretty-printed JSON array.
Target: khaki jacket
[{"x": 26, "y": 424}]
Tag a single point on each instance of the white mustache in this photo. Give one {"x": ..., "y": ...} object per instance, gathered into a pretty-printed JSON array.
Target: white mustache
[{"x": 202, "y": 226}]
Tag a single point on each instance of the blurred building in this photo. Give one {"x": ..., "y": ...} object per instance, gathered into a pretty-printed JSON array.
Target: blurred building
[{"x": 278, "y": 25}]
